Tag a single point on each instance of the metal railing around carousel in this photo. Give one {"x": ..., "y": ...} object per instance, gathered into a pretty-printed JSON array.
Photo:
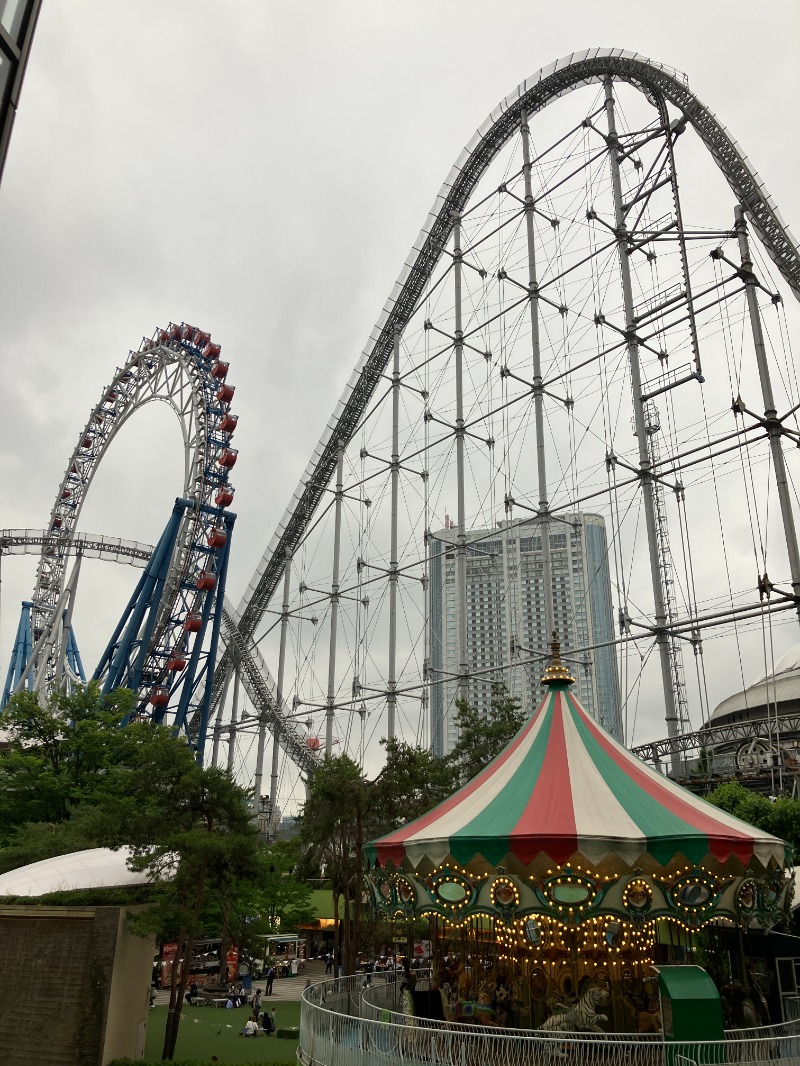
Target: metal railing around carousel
[{"x": 355, "y": 1022}]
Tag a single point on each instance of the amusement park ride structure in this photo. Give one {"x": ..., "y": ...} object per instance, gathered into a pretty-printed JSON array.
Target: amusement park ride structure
[
  {"x": 554, "y": 281},
  {"x": 159, "y": 648}
]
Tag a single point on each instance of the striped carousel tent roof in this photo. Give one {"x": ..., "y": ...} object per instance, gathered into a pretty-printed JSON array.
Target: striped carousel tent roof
[{"x": 565, "y": 792}]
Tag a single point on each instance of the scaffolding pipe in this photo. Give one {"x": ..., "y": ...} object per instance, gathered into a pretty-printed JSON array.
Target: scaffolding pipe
[
  {"x": 538, "y": 388},
  {"x": 391, "y": 685},
  {"x": 645, "y": 472},
  {"x": 337, "y": 543},
  {"x": 461, "y": 532},
  {"x": 771, "y": 421}
]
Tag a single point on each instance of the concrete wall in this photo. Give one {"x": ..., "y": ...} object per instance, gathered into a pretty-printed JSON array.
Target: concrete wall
[
  {"x": 74, "y": 986},
  {"x": 129, "y": 1000}
]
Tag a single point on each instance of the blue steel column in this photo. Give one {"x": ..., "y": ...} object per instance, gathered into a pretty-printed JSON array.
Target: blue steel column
[
  {"x": 146, "y": 596},
  {"x": 219, "y": 599},
  {"x": 21, "y": 654}
]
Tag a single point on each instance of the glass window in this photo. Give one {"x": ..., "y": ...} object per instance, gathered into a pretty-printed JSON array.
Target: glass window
[{"x": 12, "y": 13}]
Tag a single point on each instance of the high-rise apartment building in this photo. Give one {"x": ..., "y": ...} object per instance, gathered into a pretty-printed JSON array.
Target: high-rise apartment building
[{"x": 506, "y": 617}]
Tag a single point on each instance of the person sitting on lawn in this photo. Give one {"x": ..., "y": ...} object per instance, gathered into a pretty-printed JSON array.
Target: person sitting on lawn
[
  {"x": 251, "y": 1027},
  {"x": 236, "y": 996},
  {"x": 268, "y": 1022}
]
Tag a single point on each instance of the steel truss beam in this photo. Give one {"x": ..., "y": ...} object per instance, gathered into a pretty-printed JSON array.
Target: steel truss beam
[
  {"x": 257, "y": 680},
  {"x": 714, "y": 736},
  {"x": 534, "y": 94}
]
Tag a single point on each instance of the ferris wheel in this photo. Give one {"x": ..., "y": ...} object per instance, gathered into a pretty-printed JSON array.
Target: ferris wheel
[{"x": 159, "y": 648}]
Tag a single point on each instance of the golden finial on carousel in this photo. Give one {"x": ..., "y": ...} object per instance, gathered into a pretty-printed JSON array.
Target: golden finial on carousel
[{"x": 556, "y": 673}]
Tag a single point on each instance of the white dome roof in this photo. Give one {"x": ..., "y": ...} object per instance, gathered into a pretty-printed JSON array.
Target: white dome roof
[
  {"x": 789, "y": 661},
  {"x": 775, "y": 687},
  {"x": 95, "y": 868}
]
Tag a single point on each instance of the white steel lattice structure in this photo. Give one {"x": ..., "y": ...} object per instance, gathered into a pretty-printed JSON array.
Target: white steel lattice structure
[
  {"x": 554, "y": 277},
  {"x": 179, "y": 366},
  {"x": 137, "y": 554}
]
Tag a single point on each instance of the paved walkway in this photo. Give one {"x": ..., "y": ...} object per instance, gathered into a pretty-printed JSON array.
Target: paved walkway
[{"x": 283, "y": 988}]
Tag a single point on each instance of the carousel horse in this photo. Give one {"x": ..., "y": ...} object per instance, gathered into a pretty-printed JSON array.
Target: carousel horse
[{"x": 641, "y": 998}]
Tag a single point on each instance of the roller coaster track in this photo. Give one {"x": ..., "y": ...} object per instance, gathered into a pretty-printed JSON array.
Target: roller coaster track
[
  {"x": 258, "y": 683},
  {"x": 714, "y": 736},
  {"x": 656, "y": 81}
]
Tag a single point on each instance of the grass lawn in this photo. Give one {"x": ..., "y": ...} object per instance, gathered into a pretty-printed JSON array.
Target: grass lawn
[{"x": 207, "y": 1031}]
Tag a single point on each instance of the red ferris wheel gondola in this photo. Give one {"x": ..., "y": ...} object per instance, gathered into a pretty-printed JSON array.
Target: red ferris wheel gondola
[
  {"x": 227, "y": 457},
  {"x": 217, "y": 537},
  {"x": 206, "y": 580},
  {"x": 159, "y": 696}
]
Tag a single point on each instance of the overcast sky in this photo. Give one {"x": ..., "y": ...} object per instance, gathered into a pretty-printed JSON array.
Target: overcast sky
[{"x": 261, "y": 170}]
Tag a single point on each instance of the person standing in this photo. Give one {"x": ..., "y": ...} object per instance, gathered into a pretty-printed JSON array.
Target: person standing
[{"x": 270, "y": 979}]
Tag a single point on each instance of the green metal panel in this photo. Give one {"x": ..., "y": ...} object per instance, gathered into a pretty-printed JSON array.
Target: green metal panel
[{"x": 691, "y": 1008}]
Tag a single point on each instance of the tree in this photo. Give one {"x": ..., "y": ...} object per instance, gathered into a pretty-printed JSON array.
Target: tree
[
  {"x": 413, "y": 780},
  {"x": 344, "y": 810},
  {"x": 190, "y": 827},
  {"x": 332, "y": 831},
  {"x": 73, "y": 776},
  {"x": 483, "y": 732},
  {"x": 35, "y": 841},
  {"x": 780, "y": 817},
  {"x": 272, "y": 901},
  {"x": 58, "y": 754}
]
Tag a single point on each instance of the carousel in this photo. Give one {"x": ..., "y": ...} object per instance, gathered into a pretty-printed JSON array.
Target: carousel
[{"x": 558, "y": 877}]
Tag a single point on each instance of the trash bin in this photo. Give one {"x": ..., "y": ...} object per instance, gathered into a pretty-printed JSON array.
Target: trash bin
[{"x": 691, "y": 1013}]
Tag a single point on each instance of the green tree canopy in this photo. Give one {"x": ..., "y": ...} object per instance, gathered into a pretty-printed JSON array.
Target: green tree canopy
[
  {"x": 332, "y": 832},
  {"x": 59, "y": 754},
  {"x": 412, "y": 781},
  {"x": 780, "y": 817},
  {"x": 483, "y": 732},
  {"x": 73, "y": 775}
]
